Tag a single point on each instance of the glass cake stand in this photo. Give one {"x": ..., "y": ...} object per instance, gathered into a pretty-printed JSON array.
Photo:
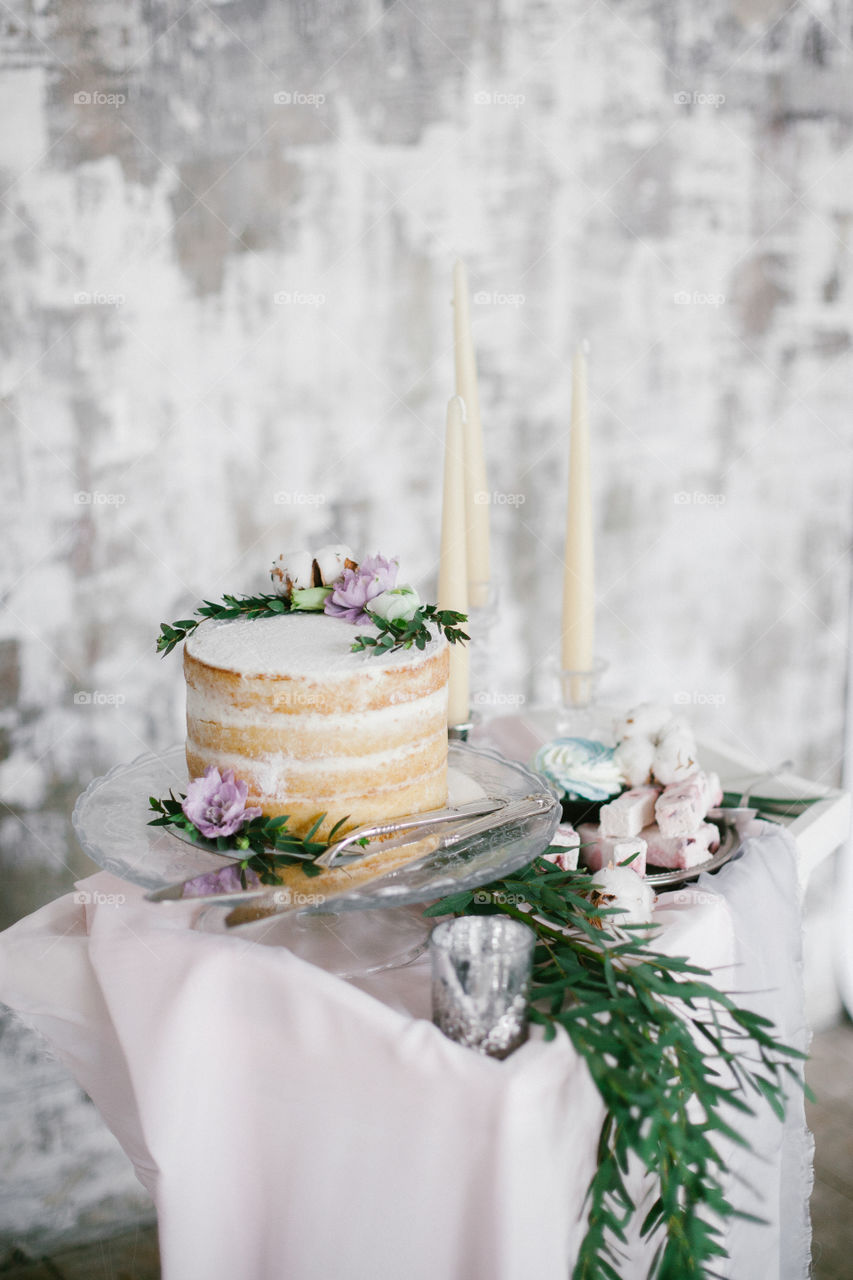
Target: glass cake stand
[{"x": 363, "y": 928}]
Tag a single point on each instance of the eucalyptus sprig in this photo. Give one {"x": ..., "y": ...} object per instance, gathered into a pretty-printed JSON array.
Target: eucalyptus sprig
[
  {"x": 267, "y": 606},
  {"x": 656, "y": 1035},
  {"x": 397, "y": 634},
  {"x": 266, "y": 844},
  {"x": 401, "y": 633}
]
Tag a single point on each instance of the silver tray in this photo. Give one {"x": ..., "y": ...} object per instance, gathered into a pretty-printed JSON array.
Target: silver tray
[{"x": 111, "y": 821}]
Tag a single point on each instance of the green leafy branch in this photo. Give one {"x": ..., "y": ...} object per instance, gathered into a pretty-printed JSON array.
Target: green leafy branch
[
  {"x": 265, "y": 843},
  {"x": 655, "y": 1034},
  {"x": 400, "y": 633},
  {"x": 266, "y": 606}
]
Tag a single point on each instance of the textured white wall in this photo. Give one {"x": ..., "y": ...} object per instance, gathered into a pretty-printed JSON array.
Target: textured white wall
[{"x": 673, "y": 182}]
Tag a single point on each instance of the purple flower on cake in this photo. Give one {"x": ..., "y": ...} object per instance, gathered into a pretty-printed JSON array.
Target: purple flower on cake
[
  {"x": 216, "y": 804},
  {"x": 357, "y": 587}
]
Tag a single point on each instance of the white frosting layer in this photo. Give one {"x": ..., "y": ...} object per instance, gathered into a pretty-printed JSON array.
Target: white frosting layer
[
  {"x": 299, "y": 644},
  {"x": 220, "y": 709},
  {"x": 266, "y": 772}
]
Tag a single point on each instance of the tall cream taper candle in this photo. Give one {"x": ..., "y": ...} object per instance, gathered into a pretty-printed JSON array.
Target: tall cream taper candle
[
  {"x": 578, "y": 574},
  {"x": 476, "y": 490},
  {"x": 452, "y": 572}
]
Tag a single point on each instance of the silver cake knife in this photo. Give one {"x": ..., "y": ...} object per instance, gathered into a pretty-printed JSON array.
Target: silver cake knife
[
  {"x": 274, "y": 901},
  {"x": 398, "y": 832}
]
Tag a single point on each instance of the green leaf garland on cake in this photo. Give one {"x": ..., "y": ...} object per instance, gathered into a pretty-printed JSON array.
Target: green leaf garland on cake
[
  {"x": 215, "y": 815},
  {"x": 331, "y": 582}
]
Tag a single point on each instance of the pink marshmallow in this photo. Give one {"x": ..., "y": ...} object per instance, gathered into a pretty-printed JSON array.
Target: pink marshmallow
[
  {"x": 681, "y": 806},
  {"x": 628, "y": 813},
  {"x": 568, "y": 841},
  {"x": 681, "y": 851},
  {"x": 598, "y": 851}
]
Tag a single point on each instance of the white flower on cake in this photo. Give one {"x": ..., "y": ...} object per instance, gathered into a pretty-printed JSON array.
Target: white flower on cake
[
  {"x": 295, "y": 571},
  {"x": 397, "y": 605},
  {"x": 292, "y": 571},
  {"x": 331, "y": 562},
  {"x": 619, "y": 889}
]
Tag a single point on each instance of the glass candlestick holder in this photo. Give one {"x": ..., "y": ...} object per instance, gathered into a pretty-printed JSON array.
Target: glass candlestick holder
[
  {"x": 481, "y": 626},
  {"x": 481, "y": 969},
  {"x": 578, "y": 710}
]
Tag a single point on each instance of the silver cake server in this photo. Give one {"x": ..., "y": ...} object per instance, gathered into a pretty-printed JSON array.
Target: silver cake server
[
  {"x": 275, "y": 901},
  {"x": 396, "y": 832}
]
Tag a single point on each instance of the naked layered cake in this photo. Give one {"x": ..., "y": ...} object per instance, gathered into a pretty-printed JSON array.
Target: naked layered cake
[{"x": 311, "y": 726}]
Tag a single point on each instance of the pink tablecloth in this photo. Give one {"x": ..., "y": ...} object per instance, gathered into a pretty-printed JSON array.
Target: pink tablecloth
[{"x": 291, "y": 1124}]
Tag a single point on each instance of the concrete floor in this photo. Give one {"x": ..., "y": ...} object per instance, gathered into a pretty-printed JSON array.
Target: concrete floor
[{"x": 830, "y": 1073}]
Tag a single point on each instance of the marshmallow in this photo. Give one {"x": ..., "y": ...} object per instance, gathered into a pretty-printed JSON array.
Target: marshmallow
[
  {"x": 635, "y": 757},
  {"x": 681, "y": 851},
  {"x": 597, "y": 851},
  {"x": 629, "y": 813},
  {"x": 568, "y": 841},
  {"x": 681, "y": 807}
]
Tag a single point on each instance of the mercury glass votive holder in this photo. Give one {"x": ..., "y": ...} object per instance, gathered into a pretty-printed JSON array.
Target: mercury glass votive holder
[{"x": 481, "y": 969}]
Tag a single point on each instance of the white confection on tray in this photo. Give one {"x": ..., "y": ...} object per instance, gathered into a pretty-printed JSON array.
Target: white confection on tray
[
  {"x": 568, "y": 841},
  {"x": 681, "y": 852},
  {"x": 681, "y": 806},
  {"x": 580, "y": 767},
  {"x": 619, "y": 889},
  {"x": 629, "y": 813},
  {"x": 597, "y": 851}
]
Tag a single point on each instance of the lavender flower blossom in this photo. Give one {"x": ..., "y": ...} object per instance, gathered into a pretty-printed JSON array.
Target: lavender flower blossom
[
  {"x": 217, "y": 805},
  {"x": 356, "y": 587}
]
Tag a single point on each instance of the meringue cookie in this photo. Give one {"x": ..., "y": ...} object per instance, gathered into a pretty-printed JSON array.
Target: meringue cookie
[{"x": 580, "y": 767}]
